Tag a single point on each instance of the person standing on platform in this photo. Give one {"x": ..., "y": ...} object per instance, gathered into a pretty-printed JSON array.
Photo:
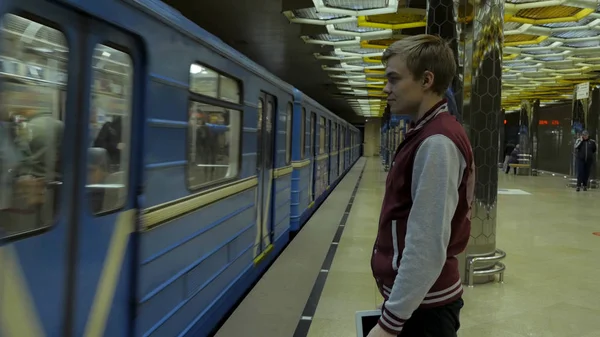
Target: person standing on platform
[
  {"x": 586, "y": 152},
  {"x": 425, "y": 217},
  {"x": 508, "y": 149}
]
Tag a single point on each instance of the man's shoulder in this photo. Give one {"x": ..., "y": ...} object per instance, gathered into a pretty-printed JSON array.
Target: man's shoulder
[
  {"x": 448, "y": 126},
  {"x": 445, "y": 121}
]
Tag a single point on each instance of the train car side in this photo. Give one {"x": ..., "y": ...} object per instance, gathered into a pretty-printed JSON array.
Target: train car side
[
  {"x": 216, "y": 181},
  {"x": 312, "y": 178}
]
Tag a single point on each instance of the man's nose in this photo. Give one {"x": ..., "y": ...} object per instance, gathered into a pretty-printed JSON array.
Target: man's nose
[{"x": 387, "y": 89}]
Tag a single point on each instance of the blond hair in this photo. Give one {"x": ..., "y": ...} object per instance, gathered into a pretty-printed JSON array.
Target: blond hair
[{"x": 422, "y": 53}]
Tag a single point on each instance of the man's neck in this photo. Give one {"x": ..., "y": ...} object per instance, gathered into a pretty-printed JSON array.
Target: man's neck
[{"x": 426, "y": 105}]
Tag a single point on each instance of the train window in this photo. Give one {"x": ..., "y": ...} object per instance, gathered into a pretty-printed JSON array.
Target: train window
[
  {"x": 204, "y": 81},
  {"x": 328, "y": 135},
  {"x": 214, "y": 143},
  {"x": 214, "y": 130},
  {"x": 33, "y": 77},
  {"x": 288, "y": 134},
  {"x": 229, "y": 89},
  {"x": 260, "y": 114},
  {"x": 110, "y": 128},
  {"x": 322, "y": 135},
  {"x": 268, "y": 116},
  {"x": 334, "y": 136},
  {"x": 207, "y": 82},
  {"x": 302, "y": 133}
]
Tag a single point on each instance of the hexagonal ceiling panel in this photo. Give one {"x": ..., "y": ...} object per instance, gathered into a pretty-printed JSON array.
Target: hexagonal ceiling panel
[{"x": 549, "y": 46}]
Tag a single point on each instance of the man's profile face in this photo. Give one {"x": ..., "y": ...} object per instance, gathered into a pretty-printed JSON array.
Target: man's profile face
[{"x": 405, "y": 93}]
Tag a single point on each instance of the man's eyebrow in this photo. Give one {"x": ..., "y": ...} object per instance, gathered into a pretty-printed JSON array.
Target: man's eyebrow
[{"x": 391, "y": 73}]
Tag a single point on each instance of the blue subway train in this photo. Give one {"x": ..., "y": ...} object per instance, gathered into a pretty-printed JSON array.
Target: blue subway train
[{"x": 149, "y": 173}]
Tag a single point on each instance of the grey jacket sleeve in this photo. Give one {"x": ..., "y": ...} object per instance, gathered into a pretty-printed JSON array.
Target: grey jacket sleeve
[{"x": 437, "y": 172}]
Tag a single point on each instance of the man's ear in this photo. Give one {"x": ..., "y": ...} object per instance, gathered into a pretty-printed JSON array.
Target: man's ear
[{"x": 428, "y": 79}]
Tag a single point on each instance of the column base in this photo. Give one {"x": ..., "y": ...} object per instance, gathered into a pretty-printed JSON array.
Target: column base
[{"x": 481, "y": 269}]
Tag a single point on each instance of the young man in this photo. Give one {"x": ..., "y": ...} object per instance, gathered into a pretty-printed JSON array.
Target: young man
[{"x": 425, "y": 216}]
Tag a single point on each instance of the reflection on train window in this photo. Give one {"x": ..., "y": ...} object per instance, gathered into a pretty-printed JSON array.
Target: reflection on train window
[
  {"x": 341, "y": 148},
  {"x": 268, "y": 116},
  {"x": 229, "y": 89},
  {"x": 328, "y": 135},
  {"x": 313, "y": 134},
  {"x": 288, "y": 134},
  {"x": 334, "y": 136},
  {"x": 33, "y": 77},
  {"x": 303, "y": 133},
  {"x": 322, "y": 135},
  {"x": 260, "y": 114},
  {"x": 339, "y": 137},
  {"x": 110, "y": 126},
  {"x": 207, "y": 82},
  {"x": 214, "y": 143}
]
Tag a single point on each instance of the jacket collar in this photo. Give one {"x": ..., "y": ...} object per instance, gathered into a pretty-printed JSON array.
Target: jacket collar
[
  {"x": 441, "y": 106},
  {"x": 436, "y": 110}
]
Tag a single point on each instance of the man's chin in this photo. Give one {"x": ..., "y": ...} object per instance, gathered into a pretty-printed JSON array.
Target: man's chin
[
  {"x": 396, "y": 110},
  {"x": 401, "y": 111}
]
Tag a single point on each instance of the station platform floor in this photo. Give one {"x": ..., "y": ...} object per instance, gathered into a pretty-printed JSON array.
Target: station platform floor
[{"x": 323, "y": 277}]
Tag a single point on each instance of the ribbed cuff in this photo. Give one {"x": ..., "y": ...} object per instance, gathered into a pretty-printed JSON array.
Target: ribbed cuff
[{"x": 390, "y": 322}]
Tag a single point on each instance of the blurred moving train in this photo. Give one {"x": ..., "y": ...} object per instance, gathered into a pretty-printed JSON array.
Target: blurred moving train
[{"x": 149, "y": 172}]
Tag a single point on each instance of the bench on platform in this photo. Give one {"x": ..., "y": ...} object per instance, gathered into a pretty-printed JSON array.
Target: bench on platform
[{"x": 522, "y": 169}]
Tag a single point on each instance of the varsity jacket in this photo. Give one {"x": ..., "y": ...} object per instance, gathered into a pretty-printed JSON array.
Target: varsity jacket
[{"x": 425, "y": 219}]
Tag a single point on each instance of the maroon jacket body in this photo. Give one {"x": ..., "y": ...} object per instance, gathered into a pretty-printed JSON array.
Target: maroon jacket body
[{"x": 447, "y": 145}]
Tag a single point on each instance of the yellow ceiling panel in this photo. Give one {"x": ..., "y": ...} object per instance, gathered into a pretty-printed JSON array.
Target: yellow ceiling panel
[
  {"x": 550, "y": 14},
  {"x": 374, "y": 71},
  {"x": 508, "y": 57},
  {"x": 522, "y": 39},
  {"x": 377, "y": 44},
  {"x": 404, "y": 18},
  {"x": 373, "y": 59}
]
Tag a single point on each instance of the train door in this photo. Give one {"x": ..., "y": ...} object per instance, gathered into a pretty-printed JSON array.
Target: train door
[
  {"x": 105, "y": 205},
  {"x": 34, "y": 190},
  {"x": 267, "y": 106},
  {"x": 313, "y": 154},
  {"x": 65, "y": 270}
]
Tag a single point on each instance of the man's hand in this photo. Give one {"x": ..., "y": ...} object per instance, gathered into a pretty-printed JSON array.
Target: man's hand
[{"x": 377, "y": 331}]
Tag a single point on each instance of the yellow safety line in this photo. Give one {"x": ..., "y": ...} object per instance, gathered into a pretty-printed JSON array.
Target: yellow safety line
[
  {"x": 18, "y": 314},
  {"x": 105, "y": 291}
]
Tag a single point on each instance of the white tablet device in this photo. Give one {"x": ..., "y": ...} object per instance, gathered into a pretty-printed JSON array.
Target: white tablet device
[{"x": 365, "y": 321}]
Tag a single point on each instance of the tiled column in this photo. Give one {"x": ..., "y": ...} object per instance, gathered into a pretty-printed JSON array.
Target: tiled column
[
  {"x": 442, "y": 18},
  {"x": 501, "y": 136},
  {"x": 525, "y": 115},
  {"x": 578, "y": 124},
  {"x": 534, "y": 134},
  {"x": 591, "y": 124},
  {"x": 475, "y": 32}
]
